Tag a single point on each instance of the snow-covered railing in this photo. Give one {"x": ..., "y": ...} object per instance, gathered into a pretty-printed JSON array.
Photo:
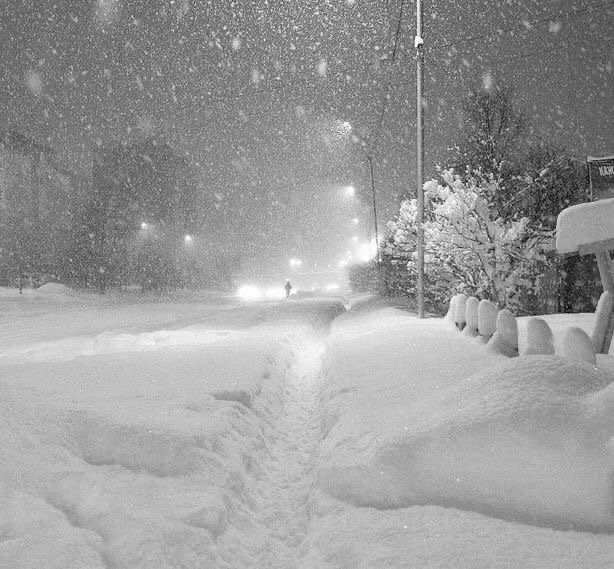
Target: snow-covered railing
[{"x": 498, "y": 329}]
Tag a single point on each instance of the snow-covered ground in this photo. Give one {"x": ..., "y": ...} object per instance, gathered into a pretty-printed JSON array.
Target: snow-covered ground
[{"x": 205, "y": 432}]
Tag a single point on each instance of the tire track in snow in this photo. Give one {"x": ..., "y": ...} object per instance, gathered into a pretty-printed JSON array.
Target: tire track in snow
[{"x": 288, "y": 471}]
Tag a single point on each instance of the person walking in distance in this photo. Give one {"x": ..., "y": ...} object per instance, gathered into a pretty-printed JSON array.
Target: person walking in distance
[{"x": 288, "y": 288}]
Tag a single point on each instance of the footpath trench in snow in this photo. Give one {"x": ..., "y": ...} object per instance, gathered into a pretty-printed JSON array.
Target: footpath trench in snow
[{"x": 282, "y": 488}]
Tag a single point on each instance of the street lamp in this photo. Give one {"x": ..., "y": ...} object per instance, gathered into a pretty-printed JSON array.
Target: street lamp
[
  {"x": 372, "y": 183},
  {"x": 350, "y": 191}
]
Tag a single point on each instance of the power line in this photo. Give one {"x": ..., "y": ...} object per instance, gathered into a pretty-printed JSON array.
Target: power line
[
  {"x": 397, "y": 36},
  {"x": 526, "y": 26}
]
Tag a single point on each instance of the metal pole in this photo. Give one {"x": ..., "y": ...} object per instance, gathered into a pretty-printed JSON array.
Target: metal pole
[
  {"x": 418, "y": 43},
  {"x": 379, "y": 257}
]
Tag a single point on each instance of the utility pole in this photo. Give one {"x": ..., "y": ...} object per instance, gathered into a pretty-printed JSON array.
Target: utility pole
[
  {"x": 418, "y": 44},
  {"x": 377, "y": 249}
]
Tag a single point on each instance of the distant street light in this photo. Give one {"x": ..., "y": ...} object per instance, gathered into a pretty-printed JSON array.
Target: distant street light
[
  {"x": 144, "y": 226},
  {"x": 372, "y": 183},
  {"x": 350, "y": 191},
  {"x": 294, "y": 262},
  {"x": 188, "y": 239}
]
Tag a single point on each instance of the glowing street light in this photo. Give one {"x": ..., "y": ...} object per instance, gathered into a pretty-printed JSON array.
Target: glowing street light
[
  {"x": 144, "y": 226},
  {"x": 295, "y": 263},
  {"x": 349, "y": 191},
  {"x": 188, "y": 239}
]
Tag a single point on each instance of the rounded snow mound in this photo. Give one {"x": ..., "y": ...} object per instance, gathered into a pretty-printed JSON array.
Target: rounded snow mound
[{"x": 531, "y": 439}]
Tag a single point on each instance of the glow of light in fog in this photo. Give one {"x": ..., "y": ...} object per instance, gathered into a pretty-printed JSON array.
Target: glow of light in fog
[
  {"x": 349, "y": 191},
  {"x": 355, "y": 221},
  {"x": 365, "y": 252},
  {"x": 144, "y": 226},
  {"x": 294, "y": 262},
  {"x": 249, "y": 292},
  {"x": 188, "y": 239},
  {"x": 275, "y": 293}
]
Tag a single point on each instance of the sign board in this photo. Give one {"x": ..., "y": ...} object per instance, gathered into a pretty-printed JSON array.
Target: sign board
[{"x": 601, "y": 177}]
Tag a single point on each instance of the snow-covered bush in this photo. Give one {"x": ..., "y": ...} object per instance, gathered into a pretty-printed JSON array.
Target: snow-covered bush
[
  {"x": 505, "y": 340},
  {"x": 487, "y": 318},
  {"x": 577, "y": 345},
  {"x": 469, "y": 245},
  {"x": 602, "y": 320},
  {"x": 471, "y": 316},
  {"x": 539, "y": 338},
  {"x": 460, "y": 311}
]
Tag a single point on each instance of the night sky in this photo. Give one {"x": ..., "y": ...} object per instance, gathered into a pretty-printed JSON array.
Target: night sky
[{"x": 260, "y": 95}]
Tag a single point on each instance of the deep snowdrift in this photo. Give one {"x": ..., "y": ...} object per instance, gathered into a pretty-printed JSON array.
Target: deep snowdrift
[{"x": 527, "y": 438}]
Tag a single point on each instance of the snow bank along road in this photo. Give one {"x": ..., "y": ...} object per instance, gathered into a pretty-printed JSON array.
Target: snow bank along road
[{"x": 196, "y": 434}]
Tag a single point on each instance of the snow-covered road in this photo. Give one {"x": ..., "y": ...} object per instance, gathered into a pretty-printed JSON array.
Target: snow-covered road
[{"x": 204, "y": 432}]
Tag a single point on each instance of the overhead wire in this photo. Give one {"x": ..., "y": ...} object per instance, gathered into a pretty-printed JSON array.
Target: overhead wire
[{"x": 526, "y": 25}]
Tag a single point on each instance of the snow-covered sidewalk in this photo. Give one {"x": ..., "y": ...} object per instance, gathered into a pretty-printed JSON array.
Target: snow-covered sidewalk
[{"x": 440, "y": 454}]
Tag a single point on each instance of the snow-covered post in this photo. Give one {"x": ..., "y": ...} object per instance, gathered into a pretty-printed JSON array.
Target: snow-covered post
[
  {"x": 586, "y": 229},
  {"x": 460, "y": 310},
  {"x": 451, "y": 314},
  {"x": 471, "y": 316},
  {"x": 505, "y": 339},
  {"x": 602, "y": 328},
  {"x": 487, "y": 319},
  {"x": 578, "y": 346},
  {"x": 539, "y": 338}
]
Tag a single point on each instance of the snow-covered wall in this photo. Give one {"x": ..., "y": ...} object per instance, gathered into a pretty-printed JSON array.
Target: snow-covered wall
[{"x": 583, "y": 224}]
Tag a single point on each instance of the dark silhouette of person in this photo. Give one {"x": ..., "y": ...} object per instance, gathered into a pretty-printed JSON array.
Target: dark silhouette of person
[{"x": 288, "y": 288}]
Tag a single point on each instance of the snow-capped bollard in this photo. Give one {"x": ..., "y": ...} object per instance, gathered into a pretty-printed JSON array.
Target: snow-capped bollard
[
  {"x": 450, "y": 315},
  {"x": 602, "y": 332},
  {"x": 578, "y": 346},
  {"x": 487, "y": 319},
  {"x": 539, "y": 338},
  {"x": 459, "y": 311},
  {"x": 471, "y": 316},
  {"x": 505, "y": 340}
]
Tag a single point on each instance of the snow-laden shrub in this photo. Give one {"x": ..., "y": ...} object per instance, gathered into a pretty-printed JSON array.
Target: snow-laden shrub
[
  {"x": 468, "y": 243},
  {"x": 602, "y": 319},
  {"x": 471, "y": 316},
  {"x": 577, "y": 345},
  {"x": 539, "y": 338},
  {"x": 460, "y": 311},
  {"x": 487, "y": 318},
  {"x": 505, "y": 340}
]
